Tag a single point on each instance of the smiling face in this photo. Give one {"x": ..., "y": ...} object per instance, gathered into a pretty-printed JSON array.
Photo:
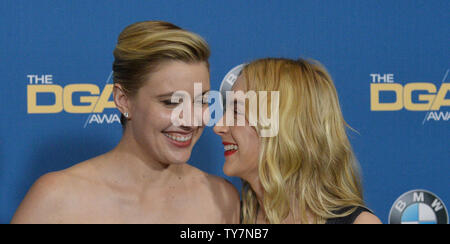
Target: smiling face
[
  {"x": 242, "y": 143},
  {"x": 151, "y": 109}
]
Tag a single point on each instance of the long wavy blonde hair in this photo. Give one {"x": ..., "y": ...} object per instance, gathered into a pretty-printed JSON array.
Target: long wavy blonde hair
[{"x": 309, "y": 167}]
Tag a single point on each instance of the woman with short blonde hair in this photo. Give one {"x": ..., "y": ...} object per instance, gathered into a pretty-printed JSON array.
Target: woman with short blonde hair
[{"x": 145, "y": 178}]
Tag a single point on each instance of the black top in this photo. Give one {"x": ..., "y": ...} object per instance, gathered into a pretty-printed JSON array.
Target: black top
[{"x": 349, "y": 219}]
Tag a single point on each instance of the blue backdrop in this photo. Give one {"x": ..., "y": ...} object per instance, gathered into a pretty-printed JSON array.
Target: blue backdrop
[{"x": 402, "y": 41}]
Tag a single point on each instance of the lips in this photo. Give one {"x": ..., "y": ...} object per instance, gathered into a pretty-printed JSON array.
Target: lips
[
  {"x": 179, "y": 139},
  {"x": 230, "y": 148}
]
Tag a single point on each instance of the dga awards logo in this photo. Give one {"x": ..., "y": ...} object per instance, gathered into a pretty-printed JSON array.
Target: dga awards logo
[
  {"x": 46, "y": 97},
  {"x": 418, "y": 207},
  {"x": 388, "y": 95}
]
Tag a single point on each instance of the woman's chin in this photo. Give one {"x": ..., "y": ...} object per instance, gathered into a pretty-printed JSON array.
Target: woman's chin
[
  {"x": 179, "y": 157},
  {"x": 228, "y": 170}
]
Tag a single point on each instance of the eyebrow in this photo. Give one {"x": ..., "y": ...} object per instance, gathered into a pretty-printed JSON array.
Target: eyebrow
[{"x": 166, "y": 95}]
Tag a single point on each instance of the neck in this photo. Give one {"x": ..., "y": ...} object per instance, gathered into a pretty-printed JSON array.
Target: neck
[
  {"x": 257, "y": 188},
  {"x": 133, "y": 160}
]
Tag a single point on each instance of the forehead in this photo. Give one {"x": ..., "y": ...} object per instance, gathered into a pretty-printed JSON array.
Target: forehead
[
  {"x": 239, "y": 85},
  {"x": 175, "y": 76}
]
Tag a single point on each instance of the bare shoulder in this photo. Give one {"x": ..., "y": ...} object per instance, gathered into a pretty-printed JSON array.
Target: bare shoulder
[
  {"x": 228, "y": 199},
  {"x": 52, "y": 194},
  {"x": 44, "y": 199},
  {"x": 224, "y": 188},
  {"x": 224, "y": 195},
  {"x": 218, "y": 185},
  {"x": 367, "y": 218}
]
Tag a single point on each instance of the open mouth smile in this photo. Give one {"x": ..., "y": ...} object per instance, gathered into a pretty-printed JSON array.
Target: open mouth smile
[
  {"x": 178, "y": 139},
  {"x": 230, "y": 148}
]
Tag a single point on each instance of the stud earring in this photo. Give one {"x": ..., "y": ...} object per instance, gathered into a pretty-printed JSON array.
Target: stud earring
[{"x": 126, "y": 115}]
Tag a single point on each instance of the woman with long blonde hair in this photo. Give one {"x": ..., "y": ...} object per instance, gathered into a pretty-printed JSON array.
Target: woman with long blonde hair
[{"x": 307, "y": 172}]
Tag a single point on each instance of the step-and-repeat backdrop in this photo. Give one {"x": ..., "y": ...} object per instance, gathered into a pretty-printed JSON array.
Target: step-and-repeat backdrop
[{"x": 389, "y": 61}]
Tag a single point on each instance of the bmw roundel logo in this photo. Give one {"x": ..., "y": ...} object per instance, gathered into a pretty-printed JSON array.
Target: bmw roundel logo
[
  {"x": 229, "y": 79},
  {"x": 418, "y": 207}
]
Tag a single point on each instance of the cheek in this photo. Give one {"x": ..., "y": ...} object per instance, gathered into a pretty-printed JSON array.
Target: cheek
[
  {"x": 161, "y": 117},
  {"x": 249, "y": 144},
  {"x": 153, "y": 117},
  {"x": 248, "y": 136},
  {"x": 254, "y": 149}
]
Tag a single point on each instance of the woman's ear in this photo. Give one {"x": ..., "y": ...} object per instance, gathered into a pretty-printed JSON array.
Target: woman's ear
[{"x": 121, "y": 100}]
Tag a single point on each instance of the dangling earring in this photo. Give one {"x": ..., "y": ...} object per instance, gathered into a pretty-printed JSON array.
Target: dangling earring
[{"x": 126, "y": 115}]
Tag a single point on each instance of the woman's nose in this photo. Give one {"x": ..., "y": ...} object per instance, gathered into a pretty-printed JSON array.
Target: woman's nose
[{"x": 191, "y": 116}]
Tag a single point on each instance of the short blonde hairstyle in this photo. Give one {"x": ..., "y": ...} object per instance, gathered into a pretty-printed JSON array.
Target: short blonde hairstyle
[
  {"x": 310, "y": 165},
  {"x": 142, "y": 47}
]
